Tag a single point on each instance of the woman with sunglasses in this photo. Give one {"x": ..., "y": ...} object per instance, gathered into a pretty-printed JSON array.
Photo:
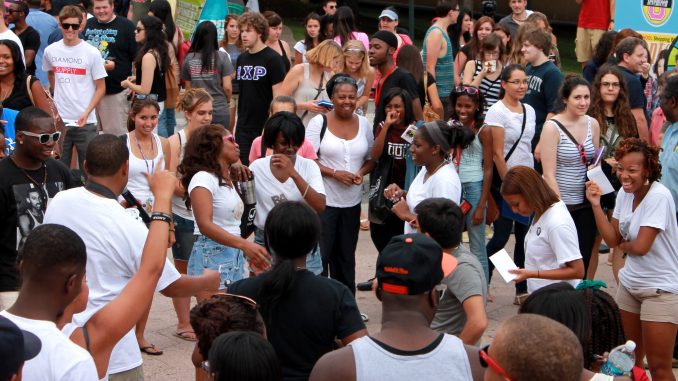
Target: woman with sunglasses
[
  {"x": 357, "y": 65},
  {"x": 484, "y": 72},
  {"x": 217, "y": 207},
  {"x": 551, "y": 248},
  {"x": 151, "y": 62},
  {"x": 568, "y": 145},
  {"x": 303, "y": 313},
  {"x": 436, "y": 147},
  {"x": 286, "y": 176},
  {"x": 197, "y": 107},
  {"x": 512, "y": 125},
  {"x": 344, "y": 158},
  {"x": 306, "y": 82}
]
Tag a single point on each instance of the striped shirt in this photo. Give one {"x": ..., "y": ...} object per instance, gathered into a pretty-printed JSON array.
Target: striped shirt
[
  {"x": 570, "y": 171},
  {"x": 489, "y": 88},
  {"x": 444, "y": 65}
]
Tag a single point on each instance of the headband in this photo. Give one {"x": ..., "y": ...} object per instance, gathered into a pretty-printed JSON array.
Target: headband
[{"x": 436, "y": 135}]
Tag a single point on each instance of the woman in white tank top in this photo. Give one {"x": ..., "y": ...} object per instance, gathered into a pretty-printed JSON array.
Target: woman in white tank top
[{"x": 196, "y": 104}]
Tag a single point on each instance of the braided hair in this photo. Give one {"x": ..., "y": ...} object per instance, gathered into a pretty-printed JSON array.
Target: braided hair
[{"x": 607, "y": 330}]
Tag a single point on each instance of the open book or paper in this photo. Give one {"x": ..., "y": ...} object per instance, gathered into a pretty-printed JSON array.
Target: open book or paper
[
  {"x": 503, "y": 263},
  {"x": 596, "y": 174}
]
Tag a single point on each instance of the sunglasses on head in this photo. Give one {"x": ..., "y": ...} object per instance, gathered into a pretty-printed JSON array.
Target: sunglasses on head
[
  {"x": 470, "y": 90},
  {"x": 67, "y": 26},
  {"x": 345, "y": 79},
  {"x": 143, "y": 97},
  {"x": 229, "y": 138},
  {"x": 44, "y": 138},
  {"x": 486, "y": 360}
]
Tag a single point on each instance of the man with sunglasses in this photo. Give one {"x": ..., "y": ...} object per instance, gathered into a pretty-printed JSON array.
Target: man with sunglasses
[
  {"x": 29, "y": 37},
  {"x": 330, "y": 7},
  {"x": 77, "y": 78},
  {"x": 6, "y": 33},
  {"x": 29, "y": 179},
  {"x": 408, "y": 274}
]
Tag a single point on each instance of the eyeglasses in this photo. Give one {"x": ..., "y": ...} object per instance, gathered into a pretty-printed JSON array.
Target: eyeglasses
[
  {"x": 486, "y": 360},
  {"x": 332, "y": 6},
  {"x": 44, "y": 138},
  {"x": 518, "y": 82},
  {"x": 470, "y": 90},
  {"x": 614, "y": 85},
  {"x": 137, "y": 29},
  {"x": 143, "y": 97},
  {"x": 229, "y": 138},
  {"x": 67, "y": 26}
]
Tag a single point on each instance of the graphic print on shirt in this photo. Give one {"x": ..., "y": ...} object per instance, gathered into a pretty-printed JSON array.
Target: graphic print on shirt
[
  {"x": 101, "y": 39},
  {"x": 278, "y": 199},
  {"x": 397, "y": 150},
  {"x": 534, "y": 84},
  {"x": 31, "y": 203},
  {"x": 251, "y": 73}
]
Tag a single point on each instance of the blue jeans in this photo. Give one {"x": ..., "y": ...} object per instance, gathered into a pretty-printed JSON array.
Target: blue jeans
[
  {"x": 185, "y": 237},
  {"x": 314, "y": 262},
  {"x": 207, "y": 254},
  {"x": 471, "y": 192},
  {"x": 167, "y": 122}
]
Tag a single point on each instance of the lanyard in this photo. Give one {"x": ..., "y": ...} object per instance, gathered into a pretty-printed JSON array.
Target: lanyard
[
  {"x": 380, "y": 84},
  {"x": 152, "y": 169},
  {"x": 100, "y": 189}
]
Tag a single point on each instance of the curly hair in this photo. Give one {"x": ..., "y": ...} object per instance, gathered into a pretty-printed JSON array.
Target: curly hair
[
  {"x": 220, "y": 314},
  {"x": 202, "y": 154},
  {"x": 256, "y": 21},
  {"x": 605, "y": 317},
  {"x": 650, "y": 152},
  {"x": 623, "y": 118},
  {"x": 604, "y": 48}
]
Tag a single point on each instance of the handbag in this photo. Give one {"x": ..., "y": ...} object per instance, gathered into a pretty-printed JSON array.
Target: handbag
[
  {"x": 379, "y": 207},
  {"x": 427, "y": 111},
  {"x": 59, "y": 124},
  {"x": 172, "y": 82}
]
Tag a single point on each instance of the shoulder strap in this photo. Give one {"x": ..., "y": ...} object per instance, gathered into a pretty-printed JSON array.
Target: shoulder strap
[
  {"x": 323, "y": 129},
  {"x": 522, "y": 130},
  {"x": 85, "y": 335},
  {"x": 28, "y": 88},
  {"x": 565, "y": 131},
  {"x": 180, "y": 142},
  {"x": 318, "y": 90},
  {"x": 263, "y": 147}
]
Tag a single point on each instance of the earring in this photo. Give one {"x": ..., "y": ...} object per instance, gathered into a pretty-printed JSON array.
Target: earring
[
  {"x": 21, "y": 142},
  {"x": 647, "y": 181}
]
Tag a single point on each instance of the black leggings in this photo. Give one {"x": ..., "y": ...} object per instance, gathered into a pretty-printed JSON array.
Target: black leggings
[{"x": 585, "y": 223}]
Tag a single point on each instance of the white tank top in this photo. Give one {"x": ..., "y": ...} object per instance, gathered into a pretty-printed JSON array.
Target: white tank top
[
  {"x": 178, "y": 203},
  {"x": 444, "y": 359},
  {"x": 137, "y": 183}
]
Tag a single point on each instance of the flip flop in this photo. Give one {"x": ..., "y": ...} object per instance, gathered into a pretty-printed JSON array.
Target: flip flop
[
  {"x": 148, "y": 350},
  {"x": 186, "y": 335},
  {"x": 364, "y": 224}
]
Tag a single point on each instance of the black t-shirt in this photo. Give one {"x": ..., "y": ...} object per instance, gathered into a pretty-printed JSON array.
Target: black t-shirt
[
  {"x": 19, "y": 98},
  {"x": 115, "y": 41},
  {"x": 400, "y": 78},
  {"x": 421, "y": 91},
  {"x": 30, "y": 40},
  {"x": 308, "y": 318},
  {"x": 543, "y": 85},
  {"x": 22, "y": 208},
  {"x": 635, "y": 89}
]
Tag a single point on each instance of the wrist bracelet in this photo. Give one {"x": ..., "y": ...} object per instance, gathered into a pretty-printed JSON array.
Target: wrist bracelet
[
  {"x": 159, "y": 216},
  {"x": 334, "y": 172},
  {"x": 306, "y": 191}
]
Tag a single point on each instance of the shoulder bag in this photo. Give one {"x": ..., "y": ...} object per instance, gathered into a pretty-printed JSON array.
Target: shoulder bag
[
  {"x": 59, "y": 124},
  {"x": 427, "y": 111}
]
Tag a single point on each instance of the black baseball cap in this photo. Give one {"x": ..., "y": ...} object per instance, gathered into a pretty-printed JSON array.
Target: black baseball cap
[
  {"x": 410, "y": 265},
  {"x": 16, "y": 347}
]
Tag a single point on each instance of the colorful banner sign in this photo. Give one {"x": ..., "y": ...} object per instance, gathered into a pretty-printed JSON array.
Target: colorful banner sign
[{"x": 658, "y": 22}]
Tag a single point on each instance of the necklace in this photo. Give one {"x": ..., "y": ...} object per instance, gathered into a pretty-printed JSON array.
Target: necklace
[
  {"x": 428, "y": 175},
  {"x": 39, "y": 186},
  {"x": 152, "y": 169},
  {"x": 5, "y": 91}
]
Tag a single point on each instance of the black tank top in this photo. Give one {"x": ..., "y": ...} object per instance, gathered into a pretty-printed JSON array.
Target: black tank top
[
  {"x": 286, "y": 60},
  {"x": 158, "y": 85}
]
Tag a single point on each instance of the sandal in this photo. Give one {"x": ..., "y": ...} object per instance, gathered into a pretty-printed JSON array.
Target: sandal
[
  {"x": 186, "y": 335},
  {"x": 364, "y": 224},
  {"x": 520, "y": 298},
  {"x": 151, "y": 350}
]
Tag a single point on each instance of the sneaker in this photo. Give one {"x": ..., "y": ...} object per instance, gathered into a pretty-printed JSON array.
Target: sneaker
[
  {"x": 364, "y": 317},
  {"x": 366, "y": 285}
]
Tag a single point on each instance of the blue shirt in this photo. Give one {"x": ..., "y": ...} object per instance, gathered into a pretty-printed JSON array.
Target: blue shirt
[
  {"x": 45, "y": 25},
  {"x": 669, "y": 160}
]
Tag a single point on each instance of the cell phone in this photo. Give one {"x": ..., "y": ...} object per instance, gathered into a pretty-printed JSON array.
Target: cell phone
[
  {"x": 465, "y": 207},
  {"x": 325, "y": 103}
]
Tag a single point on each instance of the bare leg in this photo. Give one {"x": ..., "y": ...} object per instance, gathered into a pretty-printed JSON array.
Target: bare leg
[
  {"x": 633, "y": 331},
  {"x": 593, "y": 262},
  {"x": 139, "y": 331},
  {"x": 618, "y": 261},
  {"x": 659, "y": 339},
  {"x": 182, "y": 308}
]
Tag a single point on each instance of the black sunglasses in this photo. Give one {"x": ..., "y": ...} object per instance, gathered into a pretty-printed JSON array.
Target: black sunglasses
[
  {"x": 44, "y": 138},
  {"x": 68, "y": 26}
]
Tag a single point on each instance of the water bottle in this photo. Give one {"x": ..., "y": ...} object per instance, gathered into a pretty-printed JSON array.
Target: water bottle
[{"x": 621, "y": 360}]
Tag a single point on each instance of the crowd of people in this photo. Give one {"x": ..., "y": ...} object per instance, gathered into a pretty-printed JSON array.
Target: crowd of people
[{"x": 260, "y": 195}]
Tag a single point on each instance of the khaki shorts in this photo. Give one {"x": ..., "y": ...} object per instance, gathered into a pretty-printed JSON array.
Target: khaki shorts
[
  {"x": 586, "y": 42},
  {"x": 134, "y": 374},
  {"x": 652, "y": 304}
]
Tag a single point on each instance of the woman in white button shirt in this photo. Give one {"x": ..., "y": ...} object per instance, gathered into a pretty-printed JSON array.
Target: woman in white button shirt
[{"x": 344, "y": 158}]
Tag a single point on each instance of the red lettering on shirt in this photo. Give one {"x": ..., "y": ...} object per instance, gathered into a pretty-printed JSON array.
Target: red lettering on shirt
[{"x": 70, "y": 70}]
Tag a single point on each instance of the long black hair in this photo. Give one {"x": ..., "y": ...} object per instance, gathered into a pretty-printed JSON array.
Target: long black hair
[
  {"x": 308, "y": 40},
  {"x": 455, "y": 30},
  {"x": 19, "y": 67},
  {"x": 291, "y": 231},
  {"x": 162, "y": 10},
  {"x": 205, "y": 43},
  {"x": 380, "y": 113},
  {"x": 244, "y": 356},
  {"x": 155, "y": 40},
  {"x": 344, "y": 24}
]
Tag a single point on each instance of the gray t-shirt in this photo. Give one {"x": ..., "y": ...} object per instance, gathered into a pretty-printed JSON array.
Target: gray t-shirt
[
  {"x": 209, "y": 79},
  {"x": 467, "y": 280}
]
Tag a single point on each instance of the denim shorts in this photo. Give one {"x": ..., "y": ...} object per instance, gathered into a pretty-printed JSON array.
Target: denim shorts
[
  {"x": 208, "y": 254},
  {"x": 314, "y": 262},
  {"x": 183, "y": 233}
]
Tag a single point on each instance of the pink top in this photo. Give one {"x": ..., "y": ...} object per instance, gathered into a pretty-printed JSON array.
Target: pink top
[
  {"x": 360, "y": 36},
  {"x": 656, "y": 123},
  {"x": 306, "y": 150}
]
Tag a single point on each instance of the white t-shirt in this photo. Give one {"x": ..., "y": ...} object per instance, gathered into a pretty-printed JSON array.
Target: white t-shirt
[
  {"x": 9, "y": 35},
  {"x": 499, "y": 116},
  {"x": 59, "y": 358},
  {"x": 342, "y": 155},
  {"x": 550, "y": 243},
  {"x": 136, "y": 182},
  {"x": 75, "y": 69},
  {"x": 269, "y": 191},
  {"x": 443, "y": 183},
  {"x": 300, "y": 47},
  {"x": 227, "y": 207},
  {"x": 114, "y": 241},
  {"x": 659, "y": 267}
]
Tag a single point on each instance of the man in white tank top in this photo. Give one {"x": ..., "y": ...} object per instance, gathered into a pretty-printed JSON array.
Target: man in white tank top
[{"x": 408, "y": 271}]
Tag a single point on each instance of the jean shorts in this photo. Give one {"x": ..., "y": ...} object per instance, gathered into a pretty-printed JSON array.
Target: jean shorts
[
  {"x": 314, "y": 262},
  {"x": 208, "y": 254}
]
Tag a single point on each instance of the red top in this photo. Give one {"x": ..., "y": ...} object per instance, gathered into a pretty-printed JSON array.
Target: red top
[{"x": 594, "y": 14}]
